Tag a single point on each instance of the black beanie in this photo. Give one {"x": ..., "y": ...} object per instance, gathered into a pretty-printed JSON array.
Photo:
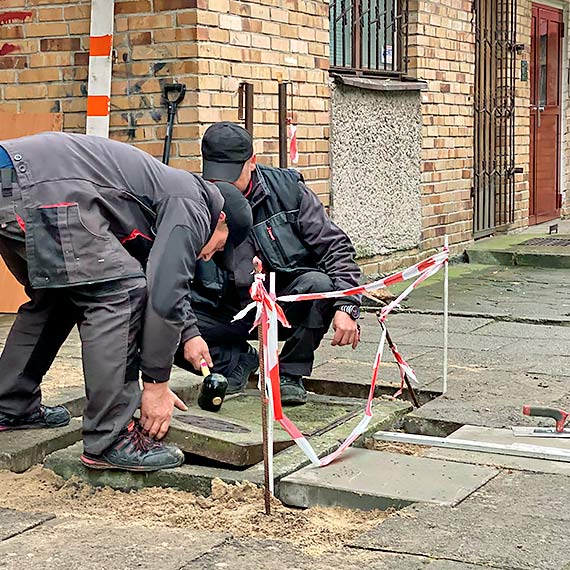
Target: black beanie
[{"x": 238, "y": 213}]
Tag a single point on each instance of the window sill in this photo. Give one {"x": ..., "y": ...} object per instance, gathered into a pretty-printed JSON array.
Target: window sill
[{"x": 379, "y": 84}]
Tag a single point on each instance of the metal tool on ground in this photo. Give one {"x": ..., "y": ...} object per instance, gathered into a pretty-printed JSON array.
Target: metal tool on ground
[
  {"x": 559, "y": 416},
  {"x": 517, "y": 449},
  {"x": 264, "y": 423},
  {"x": 172, "y": 96},
  {"x": 213, "y": 389}
]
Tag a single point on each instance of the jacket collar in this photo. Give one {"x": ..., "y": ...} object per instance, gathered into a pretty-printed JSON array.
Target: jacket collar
[{"x": 259, "y": 188}]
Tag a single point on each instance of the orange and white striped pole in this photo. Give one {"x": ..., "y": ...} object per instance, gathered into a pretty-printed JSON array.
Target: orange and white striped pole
[{"x": 100, "y": 66}]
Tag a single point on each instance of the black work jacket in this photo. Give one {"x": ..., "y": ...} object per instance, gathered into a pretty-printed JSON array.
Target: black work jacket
[{"x": 292, "y": 234}]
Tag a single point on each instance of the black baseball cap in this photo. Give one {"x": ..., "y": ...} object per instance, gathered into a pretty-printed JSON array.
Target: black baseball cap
[
  {"x": 225, "y": 149},
  {"x": 239, "y": 218}
]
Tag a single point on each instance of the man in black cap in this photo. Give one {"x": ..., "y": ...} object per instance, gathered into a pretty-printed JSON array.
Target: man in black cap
[
  {"x": 105, "y": 237},
  {"x": 296, "y": 239}
]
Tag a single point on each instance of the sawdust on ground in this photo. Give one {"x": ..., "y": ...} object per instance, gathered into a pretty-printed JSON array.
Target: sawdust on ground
[
  {"x": 395, "y": 447},
  {"x": 234, "y": 509}
]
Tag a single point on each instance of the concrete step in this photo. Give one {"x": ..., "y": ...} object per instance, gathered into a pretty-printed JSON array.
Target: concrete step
[
  {"x": 233, "y": 435},
  {"x": 196, "y": 477},
  {"x": 21, "y": 449},
  {"x": 363, "y": 479},
  {"x": 536, "y": 250}
]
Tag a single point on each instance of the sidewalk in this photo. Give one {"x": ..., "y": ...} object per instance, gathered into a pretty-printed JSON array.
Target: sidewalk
[{"x": 509, "y": 345}]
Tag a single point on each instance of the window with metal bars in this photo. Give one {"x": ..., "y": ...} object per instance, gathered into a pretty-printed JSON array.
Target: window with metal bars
[{"x": 369, "y": 37}]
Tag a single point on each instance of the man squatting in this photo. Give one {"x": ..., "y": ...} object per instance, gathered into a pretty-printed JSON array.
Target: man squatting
[{"x": 106, "y": 237}]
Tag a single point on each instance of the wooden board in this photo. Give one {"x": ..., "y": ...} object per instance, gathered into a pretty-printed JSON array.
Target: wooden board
[{"x": 14, "y": 125}]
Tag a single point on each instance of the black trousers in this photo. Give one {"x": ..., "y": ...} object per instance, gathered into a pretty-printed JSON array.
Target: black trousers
[
  {"x": 109, "y": 318},
  {"x": 310, "y": 320}
]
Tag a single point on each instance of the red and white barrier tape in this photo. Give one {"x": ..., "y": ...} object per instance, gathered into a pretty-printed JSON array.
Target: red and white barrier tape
[{"x": 269, "y": 313}]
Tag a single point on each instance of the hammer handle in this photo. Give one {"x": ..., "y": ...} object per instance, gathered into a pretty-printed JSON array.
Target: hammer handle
[
  {"x": 559, "y": 415},
  {"x": 204, "y": 368}
]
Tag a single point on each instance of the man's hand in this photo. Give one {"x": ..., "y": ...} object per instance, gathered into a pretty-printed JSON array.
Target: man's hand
[
  {"x": 158, "y": 402},
  {"x": 345, "y": 330},
  {"x": 195, "y": 350}
]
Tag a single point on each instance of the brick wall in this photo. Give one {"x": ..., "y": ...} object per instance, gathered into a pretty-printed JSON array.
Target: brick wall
[
  {"x": 522, "y": 128},
  {"x": 566, "y": 110},
  {"x": 210, "y": 45},
  {"x": 442, "y": 52}
]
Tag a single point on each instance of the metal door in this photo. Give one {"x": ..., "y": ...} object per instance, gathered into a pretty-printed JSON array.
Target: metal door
[{"x": 494, "y": 102}]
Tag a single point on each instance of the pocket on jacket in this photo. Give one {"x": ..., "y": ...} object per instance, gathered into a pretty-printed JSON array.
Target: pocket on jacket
[
  {"x": 62, "y": 249},
  {"x": 278, "y": 241}
]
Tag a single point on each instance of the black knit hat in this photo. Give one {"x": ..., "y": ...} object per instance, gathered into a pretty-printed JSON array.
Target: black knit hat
[{"x": 238, "y": 213}]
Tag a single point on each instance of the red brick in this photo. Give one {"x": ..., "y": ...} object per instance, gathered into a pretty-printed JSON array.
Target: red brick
[
  {"x": 60, "y": 44},
  {"x": 81, "y": 58},
  {"x": 175, "y": 4},
  {"x": 133, "y": 7},
  {"x": 18, "y": 62},
  {"x": 140, "y": 38}
]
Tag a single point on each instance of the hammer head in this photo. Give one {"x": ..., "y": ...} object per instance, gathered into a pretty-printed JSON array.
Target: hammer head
[{"x": 212, "y": 392}]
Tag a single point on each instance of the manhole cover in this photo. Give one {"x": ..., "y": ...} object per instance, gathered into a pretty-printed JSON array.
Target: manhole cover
[
  {"x": 213, "y": 424},
  {"x": 548, "y": 242}
]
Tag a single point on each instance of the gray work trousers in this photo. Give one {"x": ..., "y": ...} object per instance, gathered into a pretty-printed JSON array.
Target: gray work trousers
[{"x": 109, "y": 318}]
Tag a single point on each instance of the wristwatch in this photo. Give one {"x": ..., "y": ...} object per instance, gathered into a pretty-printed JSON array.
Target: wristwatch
[{"x": 353, "y": 311}]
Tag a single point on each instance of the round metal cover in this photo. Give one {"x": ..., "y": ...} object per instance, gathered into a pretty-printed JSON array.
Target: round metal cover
[{"x": 213, "y": 424}]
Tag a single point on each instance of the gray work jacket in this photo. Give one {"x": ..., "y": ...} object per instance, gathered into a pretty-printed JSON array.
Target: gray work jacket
[{"x": 95, "y": 210}]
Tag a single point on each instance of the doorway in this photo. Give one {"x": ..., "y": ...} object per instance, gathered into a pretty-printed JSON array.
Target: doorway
[{"x": 545, "y": 113}]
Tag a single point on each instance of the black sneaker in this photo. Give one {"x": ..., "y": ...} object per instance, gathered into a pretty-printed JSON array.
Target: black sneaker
[
  {"x": 247, "y": 364},
  {"x": 293, "y": 392},
  {"x": 44, "y": 417},
  {"x": 133, "y": 450}
]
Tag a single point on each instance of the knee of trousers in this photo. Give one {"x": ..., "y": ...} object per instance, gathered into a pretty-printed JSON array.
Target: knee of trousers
[{"x": 314, "y": 282}]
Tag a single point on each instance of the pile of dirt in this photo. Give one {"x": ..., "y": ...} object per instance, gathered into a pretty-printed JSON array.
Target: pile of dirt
[{"x": 234, "y": 509}]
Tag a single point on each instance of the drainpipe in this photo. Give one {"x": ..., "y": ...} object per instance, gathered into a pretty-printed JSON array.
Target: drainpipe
[{"x": 100, "y": 65}]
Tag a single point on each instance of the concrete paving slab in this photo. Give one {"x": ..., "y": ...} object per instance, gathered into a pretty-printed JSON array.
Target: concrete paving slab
[
  {"x": 421, "y": 322},
  {"x": 90, "y": 545},
  {"x": 233, "y": 435},
  {"x": 502, "y": 329},
  {"x": 13, "y": 523},
  {"x": 21, "y": 449},
  {"x": 517, "y": 521},
  {"x": 501, "y": 292},
  {"x": 351, "y": 378},
  {"x": 509, "y": 360},
  {"x": 197, "y": 477},
  {"x": 502, "y": 436},
  {"x": 254, "y": 554},
  {"x": 363, "y": 479},
  {"x": 490, "y": 398}
]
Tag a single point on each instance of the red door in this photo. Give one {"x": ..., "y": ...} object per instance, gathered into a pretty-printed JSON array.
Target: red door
[{"x": 545, "y": 125}]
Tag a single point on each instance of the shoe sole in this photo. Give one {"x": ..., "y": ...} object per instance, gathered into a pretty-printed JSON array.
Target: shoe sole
[
  {"x": 100, "y": 465},
  {"x": 33, "y": 426},
  {"x": 293, "y": 401}
]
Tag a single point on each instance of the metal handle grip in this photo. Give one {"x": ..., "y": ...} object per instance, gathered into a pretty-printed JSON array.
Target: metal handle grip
[{"x": 559, "y": 415}]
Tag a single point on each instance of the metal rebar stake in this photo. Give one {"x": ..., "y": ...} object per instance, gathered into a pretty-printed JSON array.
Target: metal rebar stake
[
  {"x": 264, "y": 423},
  {"x": 445, "y": 315}
]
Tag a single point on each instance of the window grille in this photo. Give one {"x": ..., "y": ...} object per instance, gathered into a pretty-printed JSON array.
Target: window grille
[{"x": 369, "y": 37}]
